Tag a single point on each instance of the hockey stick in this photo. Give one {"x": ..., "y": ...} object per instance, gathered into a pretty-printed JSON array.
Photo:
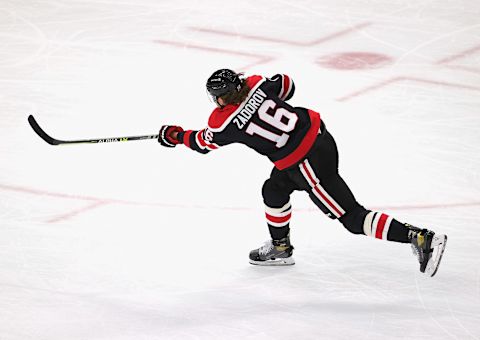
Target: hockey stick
[{"x": 52, "y": 141}]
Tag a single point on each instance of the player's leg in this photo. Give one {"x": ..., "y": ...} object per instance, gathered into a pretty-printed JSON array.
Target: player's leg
[
  {"x": 332, "y": 195},
  {"x": 276, "y": 195}
]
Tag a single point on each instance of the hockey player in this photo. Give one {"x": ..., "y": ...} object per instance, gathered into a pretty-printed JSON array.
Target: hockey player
[{"x": 254, "y": 111}]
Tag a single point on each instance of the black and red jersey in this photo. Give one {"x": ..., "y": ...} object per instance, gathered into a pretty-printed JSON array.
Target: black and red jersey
[{"x": 264, "y": 121}]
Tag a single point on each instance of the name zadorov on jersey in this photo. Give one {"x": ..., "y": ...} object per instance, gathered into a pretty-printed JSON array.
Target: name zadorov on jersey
[{"x": 258, "y": 97}]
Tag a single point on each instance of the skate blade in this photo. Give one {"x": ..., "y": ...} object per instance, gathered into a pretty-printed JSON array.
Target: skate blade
[
  {"x": 439, "y": 243},
  {"x": 288, "y": 261}
]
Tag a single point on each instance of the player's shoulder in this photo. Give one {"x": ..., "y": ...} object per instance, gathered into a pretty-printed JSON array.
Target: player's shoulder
[
  {"x": 253, "y": 80},
  {"x": 220, "y": 117},
  {"x": 278, "y": 80},
  {"x": 282, "y": 85},
  {"x": 280, "y": 77}
]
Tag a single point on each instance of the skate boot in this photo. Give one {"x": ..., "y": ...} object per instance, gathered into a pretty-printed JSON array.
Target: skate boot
[
  {"x": 273, "y": 253},
  {"x": 428, "y": 248}
]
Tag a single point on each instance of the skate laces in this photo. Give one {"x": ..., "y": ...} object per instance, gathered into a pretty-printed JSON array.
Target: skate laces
[
  {"x": 416, "y": 252},
  {"x": 266, "y": 248},
  {"x": 417, "y": 242}
]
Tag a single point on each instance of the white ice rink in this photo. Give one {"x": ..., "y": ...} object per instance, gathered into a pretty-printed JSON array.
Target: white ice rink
[{"x": 135, "y": 241}]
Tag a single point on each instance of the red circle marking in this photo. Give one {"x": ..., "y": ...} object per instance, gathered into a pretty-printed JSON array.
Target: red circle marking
[{"x": 354, "y": 60}]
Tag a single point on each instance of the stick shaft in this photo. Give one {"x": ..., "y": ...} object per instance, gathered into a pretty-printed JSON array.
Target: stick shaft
[{"x": 52, "y": 141}]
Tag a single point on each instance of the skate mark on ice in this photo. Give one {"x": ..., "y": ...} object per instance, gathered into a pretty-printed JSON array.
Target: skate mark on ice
[
  {"x": 454, "y": 317},
  {"x": 422, "y": 302}
]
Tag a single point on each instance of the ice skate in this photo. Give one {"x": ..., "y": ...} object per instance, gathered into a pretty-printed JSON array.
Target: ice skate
[
  {"x": 273, "y": 253},
  {"x": 428, "y": 248}
]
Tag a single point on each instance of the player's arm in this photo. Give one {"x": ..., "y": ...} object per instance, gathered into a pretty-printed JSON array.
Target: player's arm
[
  {"x": 283, "y": 85},
  {"x": 200, "y": 141}
]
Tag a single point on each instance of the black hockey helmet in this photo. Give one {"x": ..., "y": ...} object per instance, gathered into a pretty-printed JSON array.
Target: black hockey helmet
[{"x": 222, "y": 82}]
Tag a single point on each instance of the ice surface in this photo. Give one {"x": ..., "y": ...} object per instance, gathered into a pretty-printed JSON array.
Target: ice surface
[{"x": 134, "y": 241}]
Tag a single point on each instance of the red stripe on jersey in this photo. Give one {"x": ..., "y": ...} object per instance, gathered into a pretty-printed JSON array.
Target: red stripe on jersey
[
  {"x": 253, "y": 80},
  {"x": 220, "y": 115},
  {"x": 203, "y": 143},
  {"x": 304, "y": 146},
  {"x": 380, "y": 226},
  {"x": 200, "y": 138},
  {"x": 186, "y": 138},
  {"x": 278, "y": 219},
  {"x": 315, "y": 187},
  {"x": 286, "y": 85}
]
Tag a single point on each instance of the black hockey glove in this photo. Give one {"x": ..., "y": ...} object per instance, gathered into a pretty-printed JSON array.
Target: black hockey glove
[{"x": 165, "y": 136}]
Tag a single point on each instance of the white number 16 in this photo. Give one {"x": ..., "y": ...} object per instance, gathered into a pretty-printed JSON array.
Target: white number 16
[{"x": 279, "y": 118}]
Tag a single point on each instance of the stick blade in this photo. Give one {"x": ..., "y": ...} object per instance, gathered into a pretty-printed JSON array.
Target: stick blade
[{"x": 42, "y": 134}]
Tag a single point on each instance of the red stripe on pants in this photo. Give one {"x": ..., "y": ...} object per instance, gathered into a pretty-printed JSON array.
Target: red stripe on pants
[
  {"x": 315, "y": 187},
  {"x": 328, "y": 201}
]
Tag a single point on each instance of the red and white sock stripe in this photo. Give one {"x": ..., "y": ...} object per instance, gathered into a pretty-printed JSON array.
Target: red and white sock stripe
[
  {"x": 286, "y": 87},
  {"x": 319, "y": 191},
  {"x": 377, "y": 225},
  {"x": 202, "y": 143},
  {"x": 279, "y": 217}
]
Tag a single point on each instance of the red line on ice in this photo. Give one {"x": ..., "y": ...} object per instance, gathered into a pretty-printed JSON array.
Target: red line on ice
[
  {"x": 460, "y": 55},
  {"x": 76, "y": 212},
  {"x": 46, "y": 193},
  {"x": 98, "y": 202},
  {"x": 284, "y": 41},
  {"x": 445, "y": 61},
  {"x": 261, "y": 59},
  {"x": 398, "y": 79},
  {"x": 464, "y": 68}
]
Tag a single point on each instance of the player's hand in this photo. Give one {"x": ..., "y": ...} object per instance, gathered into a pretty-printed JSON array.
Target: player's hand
[{"x": 165, "y": 136}]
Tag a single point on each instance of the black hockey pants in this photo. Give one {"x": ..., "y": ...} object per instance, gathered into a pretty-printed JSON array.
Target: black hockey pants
[{"x": 318, "y": 175}]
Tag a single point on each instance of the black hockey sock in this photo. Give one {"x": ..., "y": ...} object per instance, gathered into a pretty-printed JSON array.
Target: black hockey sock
[
  {"x": 278, "y": 233},
  {"x": 398, "y": 232}
]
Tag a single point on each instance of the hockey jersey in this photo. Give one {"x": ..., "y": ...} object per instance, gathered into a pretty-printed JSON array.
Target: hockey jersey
[{"x": 264, "y": 121}]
